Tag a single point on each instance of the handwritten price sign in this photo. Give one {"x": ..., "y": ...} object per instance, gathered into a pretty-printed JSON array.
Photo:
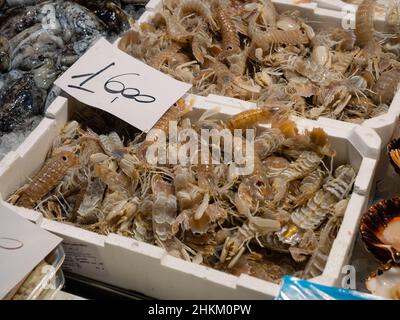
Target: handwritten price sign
[{"x": 109, "y": 79}]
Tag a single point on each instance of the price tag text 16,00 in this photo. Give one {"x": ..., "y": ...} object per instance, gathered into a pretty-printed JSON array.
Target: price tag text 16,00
[{"x": 109, "y": 79}]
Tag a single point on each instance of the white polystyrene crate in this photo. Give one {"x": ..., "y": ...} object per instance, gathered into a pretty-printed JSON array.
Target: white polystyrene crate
[
  {"x": 133, "y": 265},
  {"x": 8, "y": 158},
  {"x": 351, "y": 6},
  {"x": 316, "y": 12},
  {"x": 12, "y": 180},
  {"x": 153, "y": 5}
]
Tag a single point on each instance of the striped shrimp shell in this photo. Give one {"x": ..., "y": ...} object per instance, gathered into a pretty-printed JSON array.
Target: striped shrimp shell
[
  {"x": 305, "y": 164},
  {"x": 91, "y": 201},
  {"x": 250, "y": 118},
  {"x": 365, "y": 22},
  {"x": 292, "y": 37},
  {"x": 189, "y": 6},
  {"x": 312, "y": 71},
  {"x": 51, "y": 173},
  {"x": 310, "y": 216},
  {"x": 307, "y": 188},
  {"x": 89, "y": 146},
  {"x": 115, "y": 181},
  {"x": 316, "y": 265},
  {"x": 158, "y": 60},
  {"x": 173, "y": 114},
  {"x": 175, "y": 30},
  {"x": 256, "y": 226},
  {"x": 111, "y": 143},
  {"x": 386, "y": 87},
  {"x": 230, "y": 37},
  {"x": 272, "y": 242},
  {"x": 164, "y": 209},
  {"x": 268, "y": 142},
  {"x": 164, "y": 214}
]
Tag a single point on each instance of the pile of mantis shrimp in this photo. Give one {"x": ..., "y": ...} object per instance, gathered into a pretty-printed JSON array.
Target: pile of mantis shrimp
[
  {"x": 280, "y": 218},
  {"x": 250, "y": 51}
]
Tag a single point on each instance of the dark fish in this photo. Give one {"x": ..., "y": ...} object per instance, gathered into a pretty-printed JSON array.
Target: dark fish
[
  {"x": 21, "y": 3},
  {"x": 79, "y": 20},
  {"x": 6, "y": 79},
  {"x": 110, "y": 12},
  {"x": 21, "y": 101},
  {"x": 80, "y": 26},
  {"x": 16, "y": 20},
  {"x": 4, "y": 54},
  {"x": 33, "y": 51}
]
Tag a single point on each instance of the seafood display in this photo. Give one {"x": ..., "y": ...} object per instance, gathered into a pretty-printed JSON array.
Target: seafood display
[
  {"x": 380, "y": 228},
  {"x": 380, "y": 232},
  {"x": 393, "y": 152},
  {"x": 254, "y": 194},
  {"x": 249, "y": 50},
  {"x": 32, "y": 281},
  {"x": 38, "y": 41},
  {"x": 381, "y": 5},
  {"x": 385, "y": 282},
  {"x": 280, "y": 217}
]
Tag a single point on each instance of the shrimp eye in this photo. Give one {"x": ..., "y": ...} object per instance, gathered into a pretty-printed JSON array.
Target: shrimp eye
[{"x": 259, "y": 184}]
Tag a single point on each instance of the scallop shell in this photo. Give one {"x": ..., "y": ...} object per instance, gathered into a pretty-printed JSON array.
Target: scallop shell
[
  {"x": 380, "y": 230},
  {"x": 385, "y": 282},
  {"x": 393, "y": 152}
]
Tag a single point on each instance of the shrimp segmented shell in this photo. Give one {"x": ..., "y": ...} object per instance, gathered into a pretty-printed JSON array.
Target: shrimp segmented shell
[
  {"x": 204, "y": 212},
  {"x": 268, "y": 142},
  {"x": 251, "y": 118},
  {"x": 164, "y": 214},
  {"x": 319, "y": 258},
  {"x": 365, "y": 22},
  {"x": 230, "y": 37},
  {"x": 234, "y": 246},
  {"x": 192, "y": 6},
  {"x": 280, "y": 37},
  {"x": 386, "y": 86},
  {"x": 52, "y": 172},
  {"x": 93, "y": 195},
  {"x": 334, "y": 190},
  {"x": 304, "y": 165}
]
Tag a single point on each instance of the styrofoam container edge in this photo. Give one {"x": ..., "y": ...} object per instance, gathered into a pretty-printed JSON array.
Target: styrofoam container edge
[{"x": 149, "y": 269}]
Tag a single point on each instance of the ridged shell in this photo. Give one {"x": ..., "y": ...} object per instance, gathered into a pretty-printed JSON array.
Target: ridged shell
[
  {"x": 373, "y": 224},
  {"x": 391, "y": 152}
]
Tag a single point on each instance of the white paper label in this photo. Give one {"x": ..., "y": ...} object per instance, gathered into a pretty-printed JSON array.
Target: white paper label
[
  {"x": 82, "y": 258},
  {"x": 111, "y": 80},
  {"x": 23, "y": 245}
]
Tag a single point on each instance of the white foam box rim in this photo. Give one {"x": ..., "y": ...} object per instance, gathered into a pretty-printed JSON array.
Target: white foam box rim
[
  {"x": 385, "y": 124},
  {"x": 339, "y": 5},
  {"x": 148, "y": 269}
]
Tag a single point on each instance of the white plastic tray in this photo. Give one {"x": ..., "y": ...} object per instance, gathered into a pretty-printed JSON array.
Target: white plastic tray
[
  {"x": 148, "y": 269},
  {"x": 52, "y": 279},
  {"x": 54, "y": 287},
  {"x": 317, "y": 12},
  {"x": 344, "y": 6}
]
